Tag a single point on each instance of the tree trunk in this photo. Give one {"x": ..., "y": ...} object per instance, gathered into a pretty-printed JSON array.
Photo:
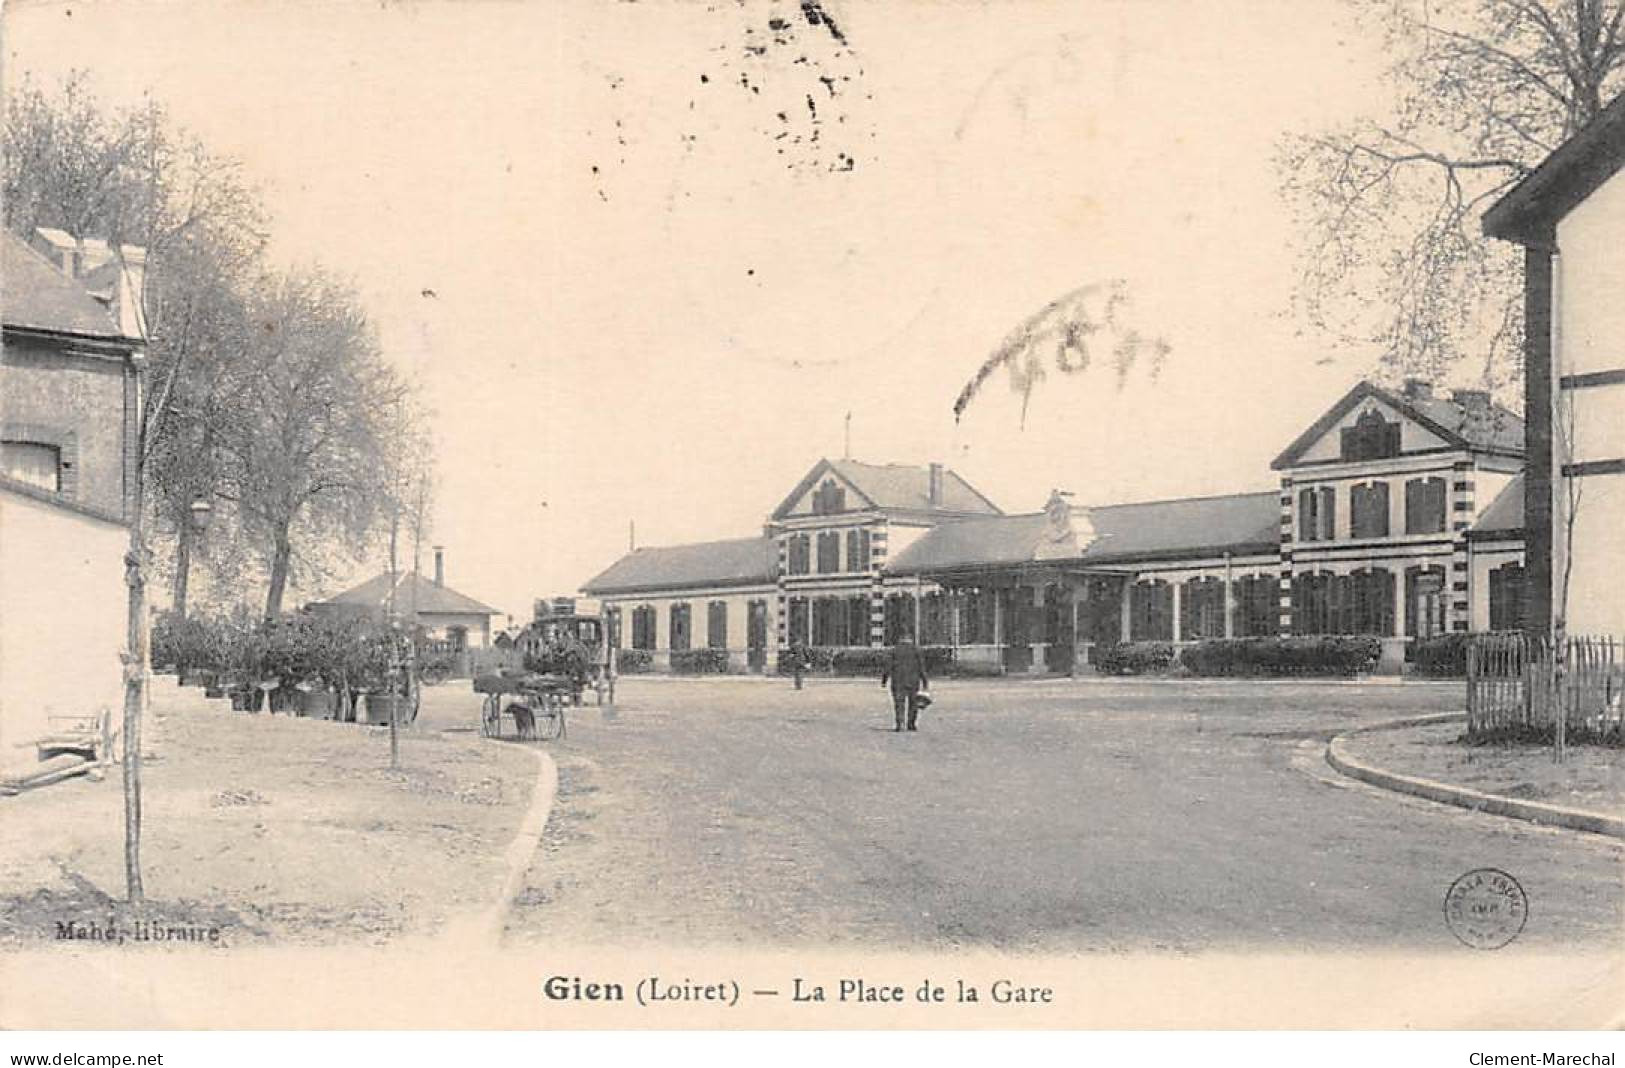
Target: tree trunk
[
  {"x": 280, "y": 555},
  {"x": 183, "y": 568}
]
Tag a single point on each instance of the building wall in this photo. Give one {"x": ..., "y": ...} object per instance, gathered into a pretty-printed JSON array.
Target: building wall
[
  {"x": 83, "y": 404},
  {"x": 1590, "y": 356},
  {"x": 1470, "y": 483},
  {"x": 1412, "y": 436},
  {"x": 737, "y": 600},
  {"x": 60, "y": 640},
  {"x": 439, "y": 624}
]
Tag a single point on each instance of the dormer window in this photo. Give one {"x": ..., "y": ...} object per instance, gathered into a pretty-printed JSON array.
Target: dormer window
[
  {"x": 829, "y": 498},
  {"x": 1371, "y": 437}
]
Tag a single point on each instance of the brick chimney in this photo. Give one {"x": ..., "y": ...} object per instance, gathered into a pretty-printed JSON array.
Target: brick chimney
[
  {"x": 439, "y": 565},
  {"x": 933, "y": 491},
  {"x": 1418, "y": 389}
]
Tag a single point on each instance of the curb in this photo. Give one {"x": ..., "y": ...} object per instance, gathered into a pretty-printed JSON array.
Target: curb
[
  {"x": 1573, "y": 819},
  {"x": 486, "y": 924}
]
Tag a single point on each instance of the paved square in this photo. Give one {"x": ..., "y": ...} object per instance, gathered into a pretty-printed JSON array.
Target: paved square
[{"x": 1031, "y": 816}]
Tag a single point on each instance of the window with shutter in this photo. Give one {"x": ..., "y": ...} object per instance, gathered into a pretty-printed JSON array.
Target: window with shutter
[
  {"x": 1425, "y": 506},
  {"x": 1368, "y": 510},
  {"x": 857, "y": 549},
  {"x": 681, "y": 627},
  {"x": 1307, "y": 526},
  {"x": 800, "y": 554},
  {"x": 1328, "y": 513},
  {"x": 1507, "y": 597},
  {"x": 829, "y": 552},
  {"x": 643, "y": 627},
  {"x": 716, "y": 624}
]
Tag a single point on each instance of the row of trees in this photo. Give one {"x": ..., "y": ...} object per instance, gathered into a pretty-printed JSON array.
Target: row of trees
[{"x": 268, "y": 395}]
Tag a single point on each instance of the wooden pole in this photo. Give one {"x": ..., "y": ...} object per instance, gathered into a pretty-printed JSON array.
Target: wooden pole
[{"x": 394, "y": 643}]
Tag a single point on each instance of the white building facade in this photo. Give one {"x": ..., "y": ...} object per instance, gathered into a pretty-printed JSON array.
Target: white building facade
[{"x": 1398, "y": 515}]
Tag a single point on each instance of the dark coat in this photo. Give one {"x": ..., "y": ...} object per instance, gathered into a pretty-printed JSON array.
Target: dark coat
[{"x": 905, "y": 669}]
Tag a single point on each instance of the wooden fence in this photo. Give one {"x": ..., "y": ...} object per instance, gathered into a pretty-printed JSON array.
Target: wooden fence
[{"x": 1514, "y": 684}]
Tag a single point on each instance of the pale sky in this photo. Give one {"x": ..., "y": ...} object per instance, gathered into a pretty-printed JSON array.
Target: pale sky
[{"x": 677, "y": 336}]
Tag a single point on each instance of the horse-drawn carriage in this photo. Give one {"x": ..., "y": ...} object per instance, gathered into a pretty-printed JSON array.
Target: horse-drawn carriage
[
  {"x": 535, "y": 703},
  {"x": 563, "y": 653}
]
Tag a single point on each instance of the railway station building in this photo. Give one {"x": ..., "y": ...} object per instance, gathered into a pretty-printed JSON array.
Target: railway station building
[{"x": 1398, "y": 513}]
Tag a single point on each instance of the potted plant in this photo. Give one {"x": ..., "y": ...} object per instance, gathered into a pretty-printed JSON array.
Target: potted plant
[{"x": 383, "y": 678}]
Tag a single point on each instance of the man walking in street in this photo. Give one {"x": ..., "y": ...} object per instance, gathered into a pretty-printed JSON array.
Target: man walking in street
[{"x": 905, "y": 672}]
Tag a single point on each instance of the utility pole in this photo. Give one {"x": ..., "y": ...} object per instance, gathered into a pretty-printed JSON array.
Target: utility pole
[{"x": 393, "y": 674}]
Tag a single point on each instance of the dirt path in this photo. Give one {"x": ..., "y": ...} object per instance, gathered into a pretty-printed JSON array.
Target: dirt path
[{"x": 273, "y": 829}]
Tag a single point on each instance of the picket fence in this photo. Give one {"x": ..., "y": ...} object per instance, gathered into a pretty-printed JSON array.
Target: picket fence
[{"x": 1514, "y": 683}]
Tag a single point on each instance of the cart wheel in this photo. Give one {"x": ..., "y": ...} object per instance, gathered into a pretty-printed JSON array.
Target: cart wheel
[{"x": 550, "y": 719}]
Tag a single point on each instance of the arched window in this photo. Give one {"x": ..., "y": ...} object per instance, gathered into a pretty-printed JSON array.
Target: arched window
[
  {"x": 829, "y": 498},
  {"x": 1257, "y": 606},
  {"x": 1371, "y": 602},
  {"x": 1201, "y": 608},
  {"x": 1371, "y": 437},
  {"x": 1424, "y": 601},
  {"x": 1151, "y": 611}
]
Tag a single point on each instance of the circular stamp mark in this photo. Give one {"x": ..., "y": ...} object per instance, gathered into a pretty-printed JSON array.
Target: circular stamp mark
[{"x": 1486, "y": 908}]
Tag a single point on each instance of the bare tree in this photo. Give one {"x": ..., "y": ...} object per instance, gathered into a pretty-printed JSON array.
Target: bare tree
[
  {"x": 310, "y": 452},
  {"x": 128, "y": 179},
  {"x": 1389, "y": 206},
  {"x": 132, "y": 177}
]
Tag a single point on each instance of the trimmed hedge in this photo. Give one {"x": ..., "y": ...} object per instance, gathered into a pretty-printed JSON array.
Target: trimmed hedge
[
  {"x": 1441, "y": 656},
  {"x": 1329, "y": 655},
  {"x": 705, "y": 661},
  {"x": 1134, "y": 658},
  {"x": 634, "y": 661},
  {"x": 870, "y": 661}
]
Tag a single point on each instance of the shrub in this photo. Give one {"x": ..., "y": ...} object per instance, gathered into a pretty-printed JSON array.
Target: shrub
[
  {"x": 1335, "y": 655},
  {"x": 633, "y": 661},
  {"x": 859, "y": 662},
  {"x": 705, "y": 661},
  {"x": 1441, "y": 656},
  {"x": 565, "y": 655},
  {"x": 1134, "y": 658}
]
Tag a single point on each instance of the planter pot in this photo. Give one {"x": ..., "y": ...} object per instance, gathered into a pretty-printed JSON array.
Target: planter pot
[
  {"x": 245, "y": 700},
  {"x": 286, "y": 699},
  {"x": 379, "y": 706},
  {"x": 316, "y": 703}
]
